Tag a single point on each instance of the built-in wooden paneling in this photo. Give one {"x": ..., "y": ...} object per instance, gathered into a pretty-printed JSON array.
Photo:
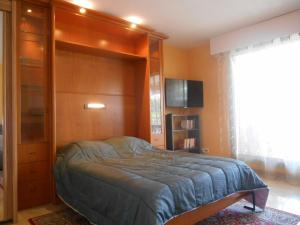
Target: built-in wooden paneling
[
  {"x": 83, "y": 73},
  {"x": 74, "y": 123},
  {"x": 84, "y": 30},
  {"x": 81, "y": 79}
]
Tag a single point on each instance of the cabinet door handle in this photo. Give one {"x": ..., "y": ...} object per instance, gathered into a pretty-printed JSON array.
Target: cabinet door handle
[{"x": 32, "y": 153}]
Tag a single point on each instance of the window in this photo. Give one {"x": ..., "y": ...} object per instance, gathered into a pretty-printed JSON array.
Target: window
[{"x": 266, "y": 87}]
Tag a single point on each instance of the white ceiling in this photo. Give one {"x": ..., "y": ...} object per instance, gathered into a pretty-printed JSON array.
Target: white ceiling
[{"x": 188, "y": 22}]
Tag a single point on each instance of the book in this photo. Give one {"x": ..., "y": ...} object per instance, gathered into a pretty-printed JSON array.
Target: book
[
  {"x": 192, "y": 143},
  {"x": 185, "y": 146},
  {"x": 189, "y": 143},
  {"x": 187, "y": 124}
]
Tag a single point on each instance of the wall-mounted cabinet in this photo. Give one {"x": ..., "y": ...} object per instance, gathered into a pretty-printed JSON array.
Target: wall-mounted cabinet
[{"x": 33, "y": 104}]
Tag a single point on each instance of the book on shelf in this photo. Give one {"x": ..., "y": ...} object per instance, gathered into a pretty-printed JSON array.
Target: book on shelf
[
  {"x": 189, "y": 143},
  {"x": 187, "y": 124}
]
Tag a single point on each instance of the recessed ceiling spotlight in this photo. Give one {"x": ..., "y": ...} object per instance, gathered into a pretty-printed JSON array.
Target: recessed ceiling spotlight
[
  {"x": 82, "y": 10},
  {"x": 29, "y": 10},
  {"x": 83, "y": 3},
  {"x": 134, "y": 19},
  {"x": 133, "y": 25},
  {"x": 57, "y": 32},
  {"x": 103, "y": 42}
]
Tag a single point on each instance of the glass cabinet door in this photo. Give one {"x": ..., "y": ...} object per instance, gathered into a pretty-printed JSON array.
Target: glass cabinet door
[
  {"x": 156, "y": 99},
  {"x": 33, "y": 73}
]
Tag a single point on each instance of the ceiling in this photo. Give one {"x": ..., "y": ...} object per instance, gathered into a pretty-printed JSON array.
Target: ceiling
[{"x": 188, "y": 22}]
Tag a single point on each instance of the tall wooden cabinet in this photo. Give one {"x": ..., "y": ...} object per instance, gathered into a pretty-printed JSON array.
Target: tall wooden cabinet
[
  {"x": 33, "y": 104},
  {"x": 66, "y": 59},
  {"x": 156, "y": 94}
]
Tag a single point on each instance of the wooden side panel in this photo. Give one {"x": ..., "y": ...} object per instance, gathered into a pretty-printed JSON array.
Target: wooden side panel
[
  {"x": 143, "y": 90},
  {"x": 143, "y": 116},
  {"x": 82, "y": 79}
]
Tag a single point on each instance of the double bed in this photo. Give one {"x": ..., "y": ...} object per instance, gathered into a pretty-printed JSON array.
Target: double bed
[{"x": 125, "y": 181}]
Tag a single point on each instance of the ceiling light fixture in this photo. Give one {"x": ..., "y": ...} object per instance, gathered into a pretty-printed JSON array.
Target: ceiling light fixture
[
  {"x": 29, "y": 10},
  {"x": 83, "y": 3},
  {"x": 82, "y": 10},
  {"x": 133, "y": 25},
  {"x": 134, "y": 20},
  {"x": 103, "y": 42}
]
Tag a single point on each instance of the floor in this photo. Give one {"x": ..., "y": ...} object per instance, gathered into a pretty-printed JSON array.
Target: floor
[
  {"x": 1, "y": 194},
  {"x": 282, "y": 196}
]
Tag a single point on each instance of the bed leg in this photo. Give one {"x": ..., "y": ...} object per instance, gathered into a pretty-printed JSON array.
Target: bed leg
[{"x": 253, "y": 202}]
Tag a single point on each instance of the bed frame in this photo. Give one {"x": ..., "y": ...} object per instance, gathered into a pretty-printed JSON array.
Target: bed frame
[{"x": 196, "y": 215}]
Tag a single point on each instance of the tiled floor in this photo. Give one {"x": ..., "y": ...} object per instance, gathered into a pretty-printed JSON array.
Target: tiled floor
[
  {"x": 282, "y": 196},
  {"x": 1, "y": 202}
]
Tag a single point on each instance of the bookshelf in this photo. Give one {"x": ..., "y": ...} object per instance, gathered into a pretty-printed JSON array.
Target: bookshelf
[{"x": 183, "y": 133}]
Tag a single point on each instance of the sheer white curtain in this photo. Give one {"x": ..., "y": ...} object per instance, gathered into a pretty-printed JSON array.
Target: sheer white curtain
[{"x": 266, "y": 106}]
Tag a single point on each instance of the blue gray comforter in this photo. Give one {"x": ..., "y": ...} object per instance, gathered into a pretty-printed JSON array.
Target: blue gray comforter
[{"x": 124, "y": 181}]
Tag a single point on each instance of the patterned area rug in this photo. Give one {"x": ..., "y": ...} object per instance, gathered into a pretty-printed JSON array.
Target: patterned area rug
[{"x": 233, "y": 215}]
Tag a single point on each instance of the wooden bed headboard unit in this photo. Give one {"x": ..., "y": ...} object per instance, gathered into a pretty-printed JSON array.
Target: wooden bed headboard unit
[
  {"x": 82, "y": 79},
  {"x": 99, "y": 59}
]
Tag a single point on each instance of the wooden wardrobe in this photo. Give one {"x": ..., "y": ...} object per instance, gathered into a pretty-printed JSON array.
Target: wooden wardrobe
[{"x": 66, "y": 60}]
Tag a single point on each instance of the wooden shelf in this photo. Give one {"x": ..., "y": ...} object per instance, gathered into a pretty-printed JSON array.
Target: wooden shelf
[
  {"x": 33, "y": 87},
  {"x": 184, "y": 130},
  {"x": 196, "y": 149},
  {"x": 34, "y": 114},
  {"x": 155, "y": 58},
  {"x": 31, "y": 62},
  {"x": 43, "y": 36},
  {"x": 71, "y": 46},
  {"x": 35, "y": 16}
]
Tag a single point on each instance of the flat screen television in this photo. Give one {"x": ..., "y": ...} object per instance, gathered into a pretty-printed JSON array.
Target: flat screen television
[{"x": 184, "y": 93}]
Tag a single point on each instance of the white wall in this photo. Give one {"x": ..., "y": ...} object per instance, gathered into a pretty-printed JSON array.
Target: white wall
[{"x": 265, "y": 31}]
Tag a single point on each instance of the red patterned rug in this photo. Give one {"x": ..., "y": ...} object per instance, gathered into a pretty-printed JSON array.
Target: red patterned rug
[{"x": 233, "y": 215}]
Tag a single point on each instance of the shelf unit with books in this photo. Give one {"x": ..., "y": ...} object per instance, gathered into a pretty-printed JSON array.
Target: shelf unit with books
[{"x": 183, "y": 133}]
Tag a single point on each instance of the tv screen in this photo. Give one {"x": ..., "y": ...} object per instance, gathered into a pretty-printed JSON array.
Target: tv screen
[{"x": 184, "y": 93}]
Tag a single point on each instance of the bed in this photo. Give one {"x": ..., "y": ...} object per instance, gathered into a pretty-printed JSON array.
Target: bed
[{"x": 125, "y": 181}]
